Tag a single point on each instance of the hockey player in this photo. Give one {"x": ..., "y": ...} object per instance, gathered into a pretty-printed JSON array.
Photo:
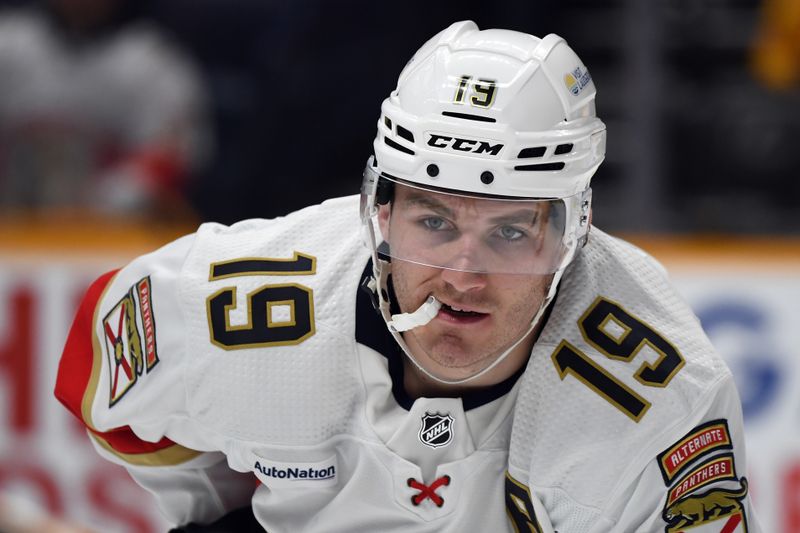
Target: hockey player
[{"x": 535, "y": 373}]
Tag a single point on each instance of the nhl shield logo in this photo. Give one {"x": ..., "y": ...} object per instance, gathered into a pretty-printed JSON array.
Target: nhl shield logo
[{"x": 436, "y": 430}]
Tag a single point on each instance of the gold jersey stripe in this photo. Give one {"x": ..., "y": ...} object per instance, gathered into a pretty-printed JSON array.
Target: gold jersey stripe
[{"x": 172, "y": 455}]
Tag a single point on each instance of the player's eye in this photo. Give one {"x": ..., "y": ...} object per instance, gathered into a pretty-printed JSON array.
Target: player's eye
[
  {"x": 510, "y": 233},
  {"x": 434, "y": 223}
]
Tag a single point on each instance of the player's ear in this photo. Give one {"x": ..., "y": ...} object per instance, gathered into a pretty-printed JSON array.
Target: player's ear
[{"x": 384, "y": 216}]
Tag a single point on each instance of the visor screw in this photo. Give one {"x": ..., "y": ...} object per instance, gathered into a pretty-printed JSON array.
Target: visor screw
[
  {"x": 487, "y": 177},
  {"x": 432, "y": 170}
]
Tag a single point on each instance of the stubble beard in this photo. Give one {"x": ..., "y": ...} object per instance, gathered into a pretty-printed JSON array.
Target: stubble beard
[{"x": 453, "y": 349}]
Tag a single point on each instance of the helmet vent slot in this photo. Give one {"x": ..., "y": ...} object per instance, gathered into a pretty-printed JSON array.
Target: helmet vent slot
[
  {"x": 563, "y": 149},
  {"x": 391, "y": 144},
  {"x": 541, "y": 166},
  {"x": 468, "y": 116},
  {"x": 532, "y": 152},
  {"x": 405, "y": 134},
  {"x": 388, "y": 122}
]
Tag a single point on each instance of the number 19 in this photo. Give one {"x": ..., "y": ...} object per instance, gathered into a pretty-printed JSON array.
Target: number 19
[
  {"x": 484, "y": 91},
  {"x": 632, "y": 336}
]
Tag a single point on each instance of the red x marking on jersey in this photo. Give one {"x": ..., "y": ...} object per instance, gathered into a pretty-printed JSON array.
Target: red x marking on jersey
[{"x": 428, "y": 491}]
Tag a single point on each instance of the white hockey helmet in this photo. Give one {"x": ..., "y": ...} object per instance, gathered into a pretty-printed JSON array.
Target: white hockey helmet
[
  {"x": 497, "y": 101},
  {"x": 498, "y": 115}
]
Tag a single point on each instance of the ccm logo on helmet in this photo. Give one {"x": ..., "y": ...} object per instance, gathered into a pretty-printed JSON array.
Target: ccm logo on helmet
[{"x": 463, "y": 145}]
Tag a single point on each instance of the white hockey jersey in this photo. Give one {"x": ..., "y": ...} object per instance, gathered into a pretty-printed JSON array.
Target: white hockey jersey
[{"x": 244, "y": 365}]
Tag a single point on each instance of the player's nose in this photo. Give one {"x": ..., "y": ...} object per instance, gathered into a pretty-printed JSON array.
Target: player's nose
[{"x": 464, "y": 280}]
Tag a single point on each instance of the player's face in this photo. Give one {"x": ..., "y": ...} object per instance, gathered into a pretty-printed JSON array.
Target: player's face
[{"x": 483, "y": 312}]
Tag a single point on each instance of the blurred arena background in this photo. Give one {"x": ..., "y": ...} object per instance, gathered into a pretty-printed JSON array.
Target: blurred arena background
[{"x": 253, "y": 108}]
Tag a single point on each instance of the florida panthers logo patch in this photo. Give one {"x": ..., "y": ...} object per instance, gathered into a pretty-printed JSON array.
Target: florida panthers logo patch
[
  {"x": 130, "y": 339},
  {"x": 722, "y": 506},
  {"x": 436, "y": 430}
]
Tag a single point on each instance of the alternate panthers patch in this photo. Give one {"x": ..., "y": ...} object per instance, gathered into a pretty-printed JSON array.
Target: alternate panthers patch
[
  {"x": 700, "y": 441},
  {"x": 130, "y": 339}
]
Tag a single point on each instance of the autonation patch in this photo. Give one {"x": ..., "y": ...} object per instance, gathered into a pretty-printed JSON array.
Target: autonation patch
[{"x": 276, "y": 474}]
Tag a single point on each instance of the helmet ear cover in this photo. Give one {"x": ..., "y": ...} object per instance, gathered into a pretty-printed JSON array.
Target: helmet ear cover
[{"x": 384, "y": 192}]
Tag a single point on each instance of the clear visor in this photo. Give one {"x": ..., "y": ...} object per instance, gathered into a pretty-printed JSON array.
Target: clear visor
[{"x": 469, "y": 233}]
